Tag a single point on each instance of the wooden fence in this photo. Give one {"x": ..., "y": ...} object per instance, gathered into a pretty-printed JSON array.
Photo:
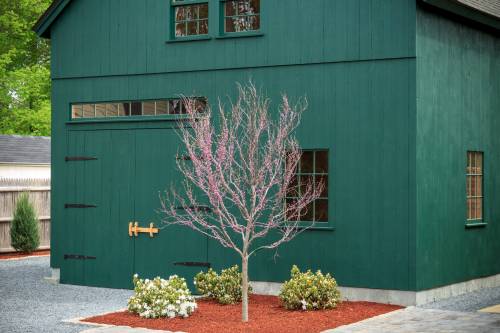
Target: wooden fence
[{"x": 39, "y": 195}]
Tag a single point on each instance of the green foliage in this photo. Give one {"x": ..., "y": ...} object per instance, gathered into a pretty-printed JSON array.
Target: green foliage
[
  {"x": 161, "y": 298},
  {"x": 24, "y": 234},
  {"x": 309, "y": 291},
  {"x": 225, "y": 288},
  {"x": 24, "y": 69}
]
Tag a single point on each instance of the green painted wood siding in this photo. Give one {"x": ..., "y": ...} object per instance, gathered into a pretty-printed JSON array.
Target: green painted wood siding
[
  {"x": 458, "y": 109},
  {"x": 361, "y": 112},
  {"x": 116, "y": 37},
  {"x": 354, "y": 60}
]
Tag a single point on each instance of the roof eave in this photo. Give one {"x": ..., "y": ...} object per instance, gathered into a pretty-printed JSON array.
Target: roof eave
[
  {"x": 468, "y": 12},
  {"x": 42, "y": 26}
]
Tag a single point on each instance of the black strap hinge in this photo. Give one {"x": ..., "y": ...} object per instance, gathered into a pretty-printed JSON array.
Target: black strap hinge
[
  {"x": 183, "y": 158},
  {"x": 68, "y": 205},
  {"x": 193, "y": 263},
  {"x": 79, "y": 158},
  {"x": 77, "y": 257},
  {"x": 199, "y": 208}
]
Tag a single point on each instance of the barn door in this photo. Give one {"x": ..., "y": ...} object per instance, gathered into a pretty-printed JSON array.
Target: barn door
[
  {"x": 174, "y": 250},
  {"x": 114, "y": 179},
  {"x": 99, "y": 205}
]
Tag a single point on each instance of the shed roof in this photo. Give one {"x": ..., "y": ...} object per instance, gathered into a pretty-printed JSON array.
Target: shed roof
[
  {"x": 486, "y": 12},
  {"x": 24, "y": 149},
  {"x": 42, "y": 26},
  {"x": 491, "y": 7}
]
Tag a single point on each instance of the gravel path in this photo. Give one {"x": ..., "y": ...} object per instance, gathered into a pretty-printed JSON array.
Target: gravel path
[
  {"x": 30, "y": 304},
  {"x": 470, "y": 302}
]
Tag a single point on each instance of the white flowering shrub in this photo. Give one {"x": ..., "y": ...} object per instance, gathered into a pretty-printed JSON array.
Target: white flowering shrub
[
  {"x": 161, "y": 298},
  {"x": 309, "y": 291},
  {"x": 225, "y": 288}
]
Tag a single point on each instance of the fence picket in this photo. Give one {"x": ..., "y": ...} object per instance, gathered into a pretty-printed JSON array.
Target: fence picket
[{"x": 39, "y": 195}]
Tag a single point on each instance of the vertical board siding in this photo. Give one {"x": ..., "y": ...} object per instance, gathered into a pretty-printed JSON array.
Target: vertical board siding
[
  {"x": 120, "y": 37},
  {"x": 360, "y": 111},
  {"x": 458, "y": 104},
  {"x": 354, "y": 61}
]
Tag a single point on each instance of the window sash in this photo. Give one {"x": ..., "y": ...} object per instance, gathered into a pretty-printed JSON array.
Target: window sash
[
  {"x": 475, "y": 186},
  {"x": 320, "y": 200},
  {"x": 125, "y": 108},
  {"x": 186, "y": 22},
  {"x": 238, "y": 16}
]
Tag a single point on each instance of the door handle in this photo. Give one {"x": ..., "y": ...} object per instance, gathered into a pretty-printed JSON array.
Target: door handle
[{"x": 134, "y": 229}]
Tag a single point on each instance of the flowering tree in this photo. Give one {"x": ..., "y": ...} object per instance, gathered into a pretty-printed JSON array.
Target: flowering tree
[{"x": 243, "y": 165}]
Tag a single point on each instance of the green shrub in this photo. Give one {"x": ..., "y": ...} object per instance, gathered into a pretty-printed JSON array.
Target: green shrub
[
  {"x": 309, "y": 291},
  {"x": 24, "y": 234},
  {"x": 225, "y": 288},
  {"x": 161, "y": 298}
]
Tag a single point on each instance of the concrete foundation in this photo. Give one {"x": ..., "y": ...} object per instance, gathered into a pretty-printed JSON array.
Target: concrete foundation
[
  {"x": 54, "y": 277},
  {"x": 398, "y": 297}
]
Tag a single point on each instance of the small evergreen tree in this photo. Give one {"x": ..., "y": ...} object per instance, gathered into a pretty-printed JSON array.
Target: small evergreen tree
[{"x": 24, "y": 235}]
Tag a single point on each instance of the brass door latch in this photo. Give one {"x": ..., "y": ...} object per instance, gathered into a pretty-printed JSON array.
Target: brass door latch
[{"x": 134, "y": 229}]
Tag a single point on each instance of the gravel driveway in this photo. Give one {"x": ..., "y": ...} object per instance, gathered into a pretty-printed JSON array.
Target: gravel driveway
[{"x": 30, "y": 304}]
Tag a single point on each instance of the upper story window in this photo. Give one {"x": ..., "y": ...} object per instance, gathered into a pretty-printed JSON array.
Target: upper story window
[
  {"x": 312, "y": 168},
  {"x": 137, "y": 108},
  {"x": 241, "y": 15},
  {"x": 190, "y": 18},
  {"x": 475, "y": 174}
]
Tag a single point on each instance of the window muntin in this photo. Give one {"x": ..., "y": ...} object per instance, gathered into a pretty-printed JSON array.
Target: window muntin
[
  {"x": 474, "y": 187},
  {"x": 241, "y": 15},
  {"x": 312, "y": 168},
  {"x": 190, "y": 19},
  {"x": 135, "y": 108}
]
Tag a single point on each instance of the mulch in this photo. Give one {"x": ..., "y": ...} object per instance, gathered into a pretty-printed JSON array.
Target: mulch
[
  {"x": 265, "y": 312},
  {"x": 15, "y": 255}
]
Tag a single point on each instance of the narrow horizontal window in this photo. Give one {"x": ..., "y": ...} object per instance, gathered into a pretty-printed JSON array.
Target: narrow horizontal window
[
  {"x": 241, "y": 15},
  {"x": 311, "y": 169},
  {"x": 135, "y": 108},
  {"x": 474, "y": 186},
  {"x": 190, "y": 20}
]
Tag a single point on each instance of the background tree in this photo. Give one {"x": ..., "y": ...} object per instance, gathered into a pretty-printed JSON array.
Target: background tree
[
  {"x": 243, "y": 165},
  {"x": 24, "y": 69},
  {"x": 24, "y": 233}
]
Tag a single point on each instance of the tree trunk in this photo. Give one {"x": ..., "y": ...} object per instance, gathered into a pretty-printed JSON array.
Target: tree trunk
[{"x": 244, "y": 289}]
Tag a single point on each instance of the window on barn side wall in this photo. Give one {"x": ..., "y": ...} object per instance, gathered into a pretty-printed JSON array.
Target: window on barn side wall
[
  {"x": 241, "y": 15},
  {"x": 136, "y": 108},
  {"x": 475, "y": 197},
  {"x": 190, "y": 19},
  {"x": 312, "y": 168}
]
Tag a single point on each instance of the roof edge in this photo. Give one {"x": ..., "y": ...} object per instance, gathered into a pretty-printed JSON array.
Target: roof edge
[
  {"x": 42, "y": 26},
  {"x": 466, "y": 11}
]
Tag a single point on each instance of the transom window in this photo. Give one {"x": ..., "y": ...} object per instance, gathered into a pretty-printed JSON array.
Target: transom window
[
  {"x": 190, "y": 20},
  {"x": 137, "y": 108},
  {"x": 241, "y": 15},
  {"x": 312, "y": 168},
  {"x": 475, "y": 173}
]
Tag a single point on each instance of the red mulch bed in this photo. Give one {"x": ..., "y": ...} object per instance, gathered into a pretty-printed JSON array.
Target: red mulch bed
[
  {"x": 266, "y": 315},
  {"x": 12, "y": 255}
]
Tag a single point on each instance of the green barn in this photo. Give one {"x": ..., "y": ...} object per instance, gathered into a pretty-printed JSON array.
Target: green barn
[{"x": 403, "y": 122}]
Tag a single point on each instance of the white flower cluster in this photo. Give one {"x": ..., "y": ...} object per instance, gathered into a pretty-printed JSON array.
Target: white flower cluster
[{"x": 161, "y": 298}]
